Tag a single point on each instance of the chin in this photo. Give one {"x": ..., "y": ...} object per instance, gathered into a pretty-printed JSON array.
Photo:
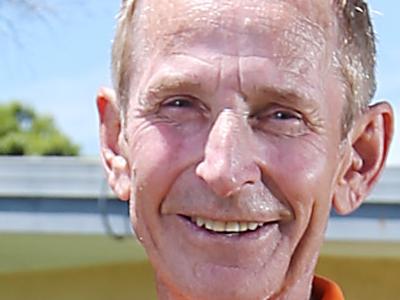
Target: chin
[{"x": 213, "y": 282}]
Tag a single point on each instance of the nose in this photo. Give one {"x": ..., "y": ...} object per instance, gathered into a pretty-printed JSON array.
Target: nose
[{"x": 228, "y": 162}]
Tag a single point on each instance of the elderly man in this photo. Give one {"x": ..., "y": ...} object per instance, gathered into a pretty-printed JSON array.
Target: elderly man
[{"x": 235, "y": 127}]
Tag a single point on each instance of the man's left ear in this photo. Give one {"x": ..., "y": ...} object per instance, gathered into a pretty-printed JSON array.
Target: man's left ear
[{"x": 370, "y": 138}]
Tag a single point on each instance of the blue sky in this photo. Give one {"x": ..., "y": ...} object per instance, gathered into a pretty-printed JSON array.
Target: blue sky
[{"x": 57, "y": 64}]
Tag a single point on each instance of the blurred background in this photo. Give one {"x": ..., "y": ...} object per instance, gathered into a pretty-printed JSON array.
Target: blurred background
[{"x": 63, "y": 235}]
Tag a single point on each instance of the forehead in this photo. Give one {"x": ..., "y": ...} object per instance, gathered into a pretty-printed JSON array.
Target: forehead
[
  {"x": 161, "y": 18},
  {"x": 289, "y": 28},
  {"x": 292, "y": 33},
  {"x": 317, "y": 10}
]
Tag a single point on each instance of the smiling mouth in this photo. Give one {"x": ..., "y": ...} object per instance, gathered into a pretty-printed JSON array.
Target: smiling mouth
[{"x": 230, "y": 227}]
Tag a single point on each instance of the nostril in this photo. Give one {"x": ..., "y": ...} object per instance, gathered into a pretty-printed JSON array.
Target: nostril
[{"x": 250, "y": 182}]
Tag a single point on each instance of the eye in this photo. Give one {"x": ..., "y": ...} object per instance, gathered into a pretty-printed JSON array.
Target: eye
[
  {"x": 286, "y": 115},
  {"x": 179, "y": 103},
  {"x": 182, "y": 109},
  {"x": 281, "y": 121}
]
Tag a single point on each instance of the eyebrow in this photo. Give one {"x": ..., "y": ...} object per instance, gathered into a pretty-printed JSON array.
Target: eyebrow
[
  {"x": 173, "y": 82},
  {"x": 287, "y": 95},
  {"x": 166, "y": 84}
]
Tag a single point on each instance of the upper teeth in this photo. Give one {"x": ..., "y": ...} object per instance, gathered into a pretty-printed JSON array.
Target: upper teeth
[{"x": 221, "y": 226}]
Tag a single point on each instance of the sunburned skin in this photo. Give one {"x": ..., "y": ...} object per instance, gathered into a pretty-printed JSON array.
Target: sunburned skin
[
  {"x": 233, "y": 102},
  {"x": 297, "y": 40},
  {"x": 230, "y": 146},
  {"x": 233, "y": 141}
]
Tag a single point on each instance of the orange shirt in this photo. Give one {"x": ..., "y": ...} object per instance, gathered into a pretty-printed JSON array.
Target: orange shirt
[{"x": 324, "y": 289}]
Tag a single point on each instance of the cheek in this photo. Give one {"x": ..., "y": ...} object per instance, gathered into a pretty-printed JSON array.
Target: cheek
[
  {"x": 158, "y": 155},
  {"x": 301, "y": 173},
  {"x": 302, "y": 169}
]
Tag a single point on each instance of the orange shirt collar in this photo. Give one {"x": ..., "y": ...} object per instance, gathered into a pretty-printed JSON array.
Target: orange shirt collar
[{"x": 325, "y": 289}]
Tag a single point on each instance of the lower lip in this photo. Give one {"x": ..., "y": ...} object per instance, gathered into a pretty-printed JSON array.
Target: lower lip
[{"x": 260, "y": 233}]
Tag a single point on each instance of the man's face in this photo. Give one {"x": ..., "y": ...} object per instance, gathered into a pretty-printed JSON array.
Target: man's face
[{"x": 233, "y": 135}]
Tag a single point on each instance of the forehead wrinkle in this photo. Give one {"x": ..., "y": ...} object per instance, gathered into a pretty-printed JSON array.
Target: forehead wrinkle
[
  {"x": 189, "y": 77},
  {"x": 300, "y": 85},
  {"x": 282, "y": 80},
  {"x": 194, "y": 57},
  {"x": 297, "y": 46},
  {"x": 180, "y": 18}
]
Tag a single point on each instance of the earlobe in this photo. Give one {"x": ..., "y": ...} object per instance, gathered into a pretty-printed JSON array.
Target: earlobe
[
  {"x": 369, "y": 142},
  {"x": 118, "y": 177},
  {"x": 111, "y": 144}
]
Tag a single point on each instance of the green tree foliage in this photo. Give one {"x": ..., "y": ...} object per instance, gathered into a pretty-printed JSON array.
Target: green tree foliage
[{"x": 24, "y": 132}]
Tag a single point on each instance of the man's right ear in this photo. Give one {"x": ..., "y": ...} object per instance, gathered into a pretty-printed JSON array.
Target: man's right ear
[{"x": 113, "y": 144}]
